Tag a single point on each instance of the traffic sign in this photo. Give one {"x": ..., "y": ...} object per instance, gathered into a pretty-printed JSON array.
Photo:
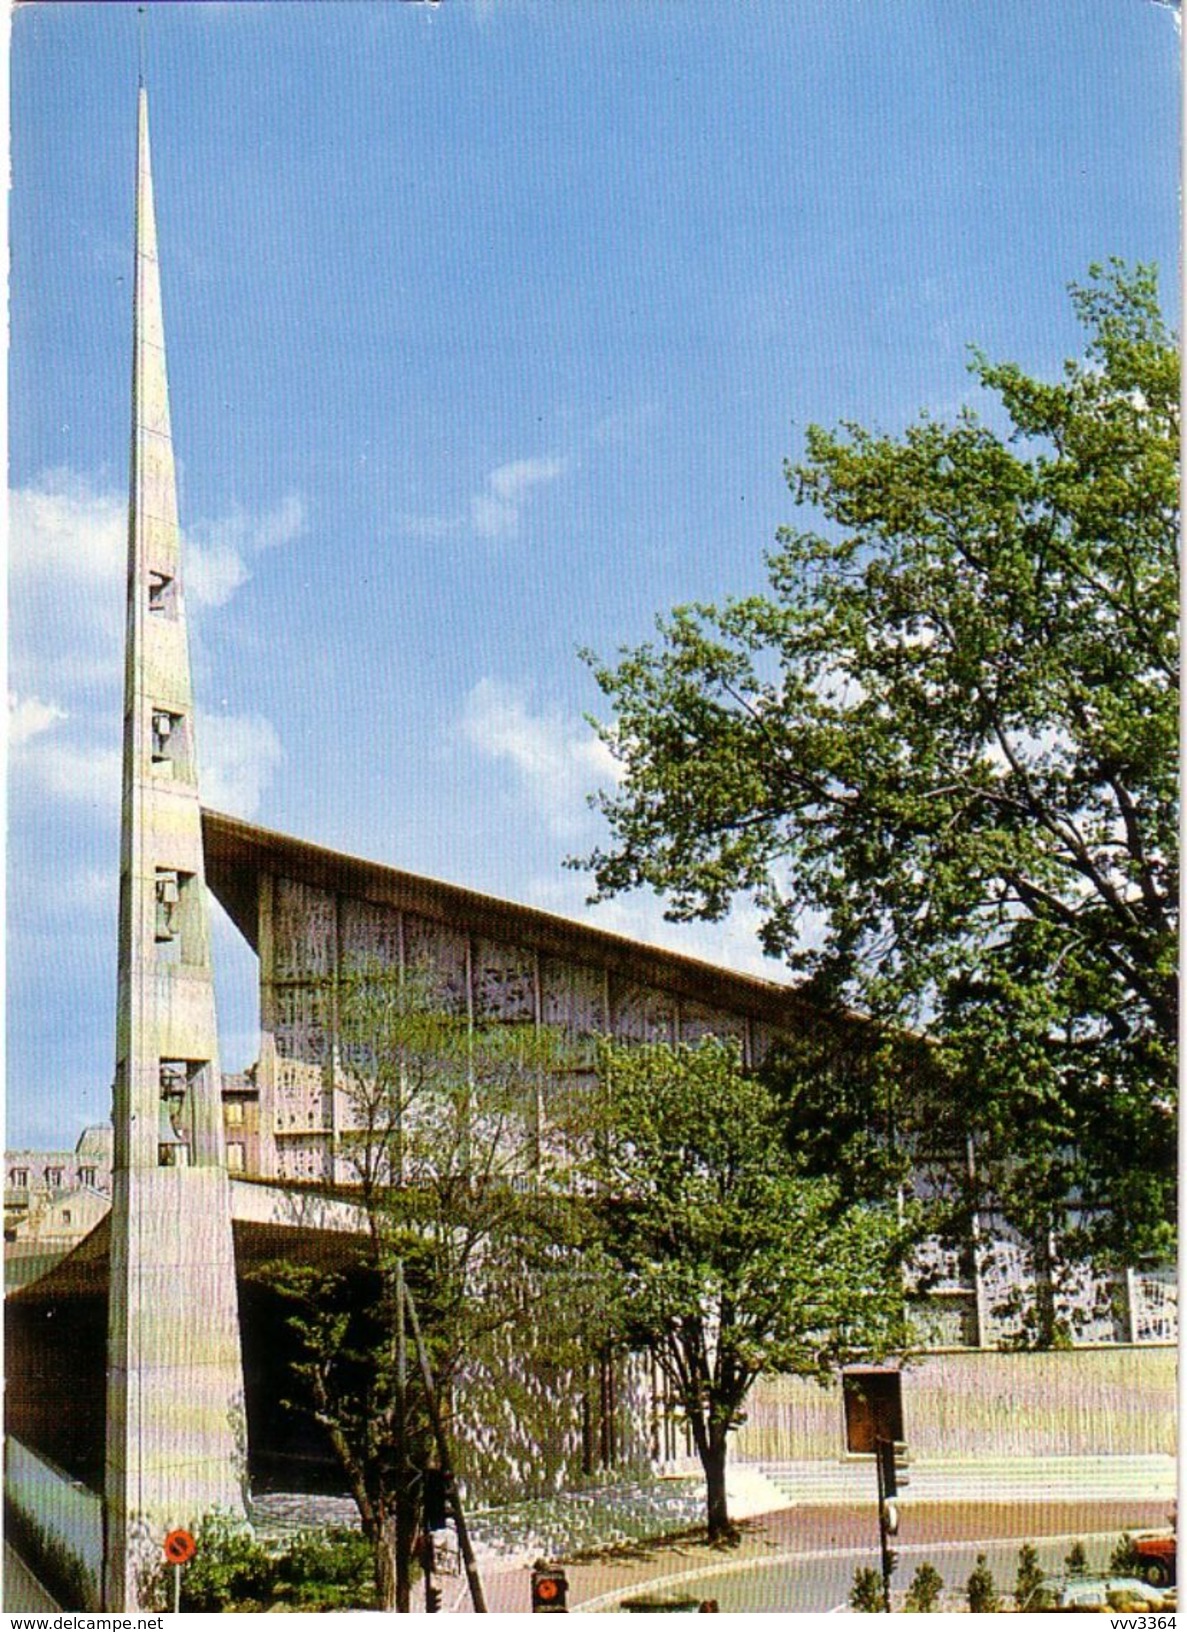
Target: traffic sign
[
  {"x": 180, "y": 1547},
  {"x": 550, "y": 1587}
]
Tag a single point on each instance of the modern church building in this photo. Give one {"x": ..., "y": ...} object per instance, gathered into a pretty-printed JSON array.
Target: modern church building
[{"x": 144, "y": 1366}]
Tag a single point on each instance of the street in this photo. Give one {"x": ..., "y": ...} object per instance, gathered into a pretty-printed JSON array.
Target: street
[{"x": 803, "y": 1558}]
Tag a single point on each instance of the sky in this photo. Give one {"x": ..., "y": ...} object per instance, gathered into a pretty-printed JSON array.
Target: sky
[{"x": 490, "y": 326}]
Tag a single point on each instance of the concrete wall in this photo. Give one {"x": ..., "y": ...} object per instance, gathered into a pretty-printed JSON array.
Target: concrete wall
[
  {"x": 308, "y": 935},
  {"x": 1084, "y": 1402},
  {"x": 63, "y": 1513}
]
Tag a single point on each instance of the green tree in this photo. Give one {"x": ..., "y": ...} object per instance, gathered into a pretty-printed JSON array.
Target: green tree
[
  {"x": 1029, "y": 1577},
  {"x": 442, "y": 1152},
  {"x": 981, "y": 1589},
  {"x": 865, "y": 1595},
  {"x": 1125, "y": 1558},
  {"x": 940, "y": 755},
  {"x": 733, "y": 1262},
  {"x": 923, "y": 1594},
  {"x": 1076, "y": 1562}
]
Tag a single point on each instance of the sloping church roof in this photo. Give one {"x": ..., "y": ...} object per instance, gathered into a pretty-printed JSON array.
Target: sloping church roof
[{"x": 237, "y": 854}]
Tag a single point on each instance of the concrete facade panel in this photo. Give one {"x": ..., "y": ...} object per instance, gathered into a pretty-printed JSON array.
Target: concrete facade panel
[
  {"x": 154, "y": 401},
  {"x": 699, "y": 1020},
  {"x": 1154, "y": 1301},
  {"x": 305, "y": 1158},
  {"x": 370, "y": 936},
  {"x": 157, "y": 494},
  {"x": 167, "y": 655},
  {"x": 162, "y": 540},
  {"x": 304, "y": 1023},
  {"x": 437, "y": 958},
  {"x": 305, "y": 931},
  {"x": 1091, "y": 1402},
  {"x": 574, "y": 998},
  {"x": 301, "y": 1098},
  {"x": 504, "y": 983},
  {"x": 641, "y": 1013}
]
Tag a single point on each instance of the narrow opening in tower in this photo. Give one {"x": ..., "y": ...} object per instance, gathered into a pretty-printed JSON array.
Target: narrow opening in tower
[
  {"x": 162, "y": 594},
  {"x": 172, "y": 1144},
  {"x": 170, "y": 745},
  {"x": 181, "y": 1083},
  {"x": 178, "y": 923}
]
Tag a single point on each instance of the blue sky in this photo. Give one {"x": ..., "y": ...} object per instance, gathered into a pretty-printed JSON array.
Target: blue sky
[{"x": 490, "y": 326}]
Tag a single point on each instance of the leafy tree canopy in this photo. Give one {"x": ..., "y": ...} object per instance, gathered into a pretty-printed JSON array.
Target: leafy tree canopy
[
  {"x": 734, "y": 1261},
  {"x": 441, "y": 1136},
  {"x": 940, "y": 753}
]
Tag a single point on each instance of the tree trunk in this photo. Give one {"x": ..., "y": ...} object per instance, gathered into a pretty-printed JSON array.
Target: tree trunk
[
  {"x": 383, "y": 1554},
  {"x": 405, "y": 1537},
  {"x": 1048, "y": 1333},
  {"x": 711, "y": 1440},
  {"x": 713, "y": 1461}
]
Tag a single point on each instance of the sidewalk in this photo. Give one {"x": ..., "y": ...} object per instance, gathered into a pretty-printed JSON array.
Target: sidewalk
[
  {"x": 788, "y": 1507},
  {"x": 813, "y": 1506}
]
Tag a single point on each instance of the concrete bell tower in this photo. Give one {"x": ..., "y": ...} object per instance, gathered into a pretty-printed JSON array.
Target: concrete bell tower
[{"x": 176, "y": 1425}]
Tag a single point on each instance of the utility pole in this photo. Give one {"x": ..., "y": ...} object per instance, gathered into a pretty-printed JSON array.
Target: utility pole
[
  {"x": 477, "y": 1596},
  {"x": 890, "y": 1477},
  {"x": 403, "y": 1584}
]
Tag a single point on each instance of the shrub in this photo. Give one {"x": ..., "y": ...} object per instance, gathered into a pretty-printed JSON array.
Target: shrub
[
  {"x": 229, "y": 1570},
  {"x": 1028, "y": 1579},
  {"x": 982, "y": 1589},
  {"x": 328, "y": 1569},
  {"x": 865, "y": 1595},
  {"x": 926, "y": 1586},
  {"x": 1125, "y": 1559},
  {"x": 1076, "y": 1562}
]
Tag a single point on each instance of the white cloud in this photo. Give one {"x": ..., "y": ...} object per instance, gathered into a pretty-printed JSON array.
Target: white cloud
[
  {"x": 213, "y": 572},
  {"x": 510, "y": 482},
  {"x": 559, "y": 761},
  {"x": 65, "y": 533},
  {"x": 246, "y": 534},
  {"x": 67, "y": 559},
  {"x": 217, "y": 552},
  {"x": 495, "y": 512},
  {"x": 238, "y": 754},
  {"x": 65, "y": 525},
  {"x": 80, "y": 772},
  {"x": 28, "y": 717},
  {"x": 237, "y": 757},
  {"x": 429, "y": 527},
  {"x": 68, "y": 563}
]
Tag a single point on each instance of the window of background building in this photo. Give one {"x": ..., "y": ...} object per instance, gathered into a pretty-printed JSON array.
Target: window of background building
[
  {"x": 19, "y": 1178},
  {"x": 233, "y": 1111},
  {"x": 86, "y": 1175},
  {"x": 234, "y": 1158},
  {"x": 53, "y": 1177}
]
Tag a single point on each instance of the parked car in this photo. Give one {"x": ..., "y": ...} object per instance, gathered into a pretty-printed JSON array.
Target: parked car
[
  {"x": 1117, "y": 1594},
  {"x": 1156, "y": 1558}
]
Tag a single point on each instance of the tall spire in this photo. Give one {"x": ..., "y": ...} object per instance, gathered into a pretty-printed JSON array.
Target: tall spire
[{"x": 176, "y": 1445}]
